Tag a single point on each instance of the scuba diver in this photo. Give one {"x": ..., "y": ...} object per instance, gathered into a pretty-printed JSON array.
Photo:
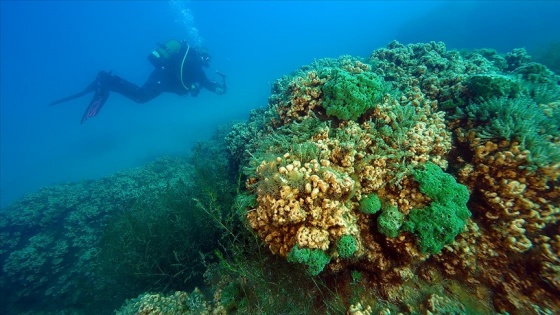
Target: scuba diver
[{"x": 178, "y": 69}]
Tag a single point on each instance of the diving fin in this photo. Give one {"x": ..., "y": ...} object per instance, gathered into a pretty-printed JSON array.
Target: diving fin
[
  {"x": 90, "y": 88},
  {"x": 98, "y": 100},
  {"x": 101, "y": 88}
]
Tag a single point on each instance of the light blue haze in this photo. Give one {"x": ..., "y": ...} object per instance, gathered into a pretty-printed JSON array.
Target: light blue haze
[{"x": 50, "y": 49}]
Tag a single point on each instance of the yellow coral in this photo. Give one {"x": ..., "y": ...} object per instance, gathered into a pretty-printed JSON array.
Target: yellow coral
[
  {"x": 306, "y": 216},
  {"x": 518, "y": 201},
  {"x": 359, "y": 309},
  {"x": 312, "y": 203}
]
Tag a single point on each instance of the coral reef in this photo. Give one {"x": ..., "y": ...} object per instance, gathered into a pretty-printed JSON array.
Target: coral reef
[
  {"x": 87, "y": 246},
  {"x": 372, "y": 169},
  {"x": 49, "y": 239},
  {"x": 312, "y": 171}
]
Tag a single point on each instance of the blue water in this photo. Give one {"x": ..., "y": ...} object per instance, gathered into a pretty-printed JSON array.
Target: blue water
[{"x": 50, "y": 49}]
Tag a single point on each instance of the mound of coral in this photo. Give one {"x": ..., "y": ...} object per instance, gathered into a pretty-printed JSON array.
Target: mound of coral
[
  {"x": 416, "y": 164},
  {"x": 85, "y": 247},
  {"x": 50, "y": 240}
]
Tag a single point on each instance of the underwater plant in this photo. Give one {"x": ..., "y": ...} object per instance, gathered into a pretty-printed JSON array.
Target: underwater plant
[{"x": 519, "y": 120}]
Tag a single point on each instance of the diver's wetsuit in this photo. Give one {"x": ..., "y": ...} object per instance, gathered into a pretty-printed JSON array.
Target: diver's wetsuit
[{"x": 166, "y": 78}]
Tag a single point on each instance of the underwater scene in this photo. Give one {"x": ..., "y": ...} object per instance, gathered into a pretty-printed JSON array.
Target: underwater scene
[{"x": 358, "y": 158}]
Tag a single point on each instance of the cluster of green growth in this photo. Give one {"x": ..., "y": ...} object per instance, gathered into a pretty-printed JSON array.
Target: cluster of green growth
[
  {"x": 539, "y": 83},
  {"x": 526, "y": 80},
  {"x": 485, "y": 86},
  {"x": 348, "y": 96},
  {"x": 499, "y": 61},
  {"x": 314, "y": 259},
  {"x": 550, "y": 56},
  {"x": 243, "y": 203},
  {"x": 50, "y": 240},
  {"x": 346, "y": 246},
  {"x": 370, "y": 204},
  {"x": 516, "y": 58},
  {"x": 403, "y": 118},
  {"x": 159, "y": 242},
  {"x": 293, "y": 138},
  {"x": 392, "y": 139},
  {"x": 358, "y": 286},
  {"x": 536, "y": 73},
  {"x": 543, "y": 93},
  {"x": 253, "y": 281},
  {"x": 138, "y": 230},
  {"x": 273, "y": 181},
  {"x": 245, "y": 137},
  {"x": 439, "y": 223},
  {"x": 231, "y": 296},
  {"x": 390, "y": 221},
  {"x": 521, "y": 120},
  {"x": 155, "y": 244},
  {"x": 356, "y": 276}
]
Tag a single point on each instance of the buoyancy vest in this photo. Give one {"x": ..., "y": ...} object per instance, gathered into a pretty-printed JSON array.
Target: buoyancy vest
[{"x": 166, "y": 54}]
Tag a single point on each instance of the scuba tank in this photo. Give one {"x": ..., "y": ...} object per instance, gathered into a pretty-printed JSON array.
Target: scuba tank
[{"x": 164, "y": 53}]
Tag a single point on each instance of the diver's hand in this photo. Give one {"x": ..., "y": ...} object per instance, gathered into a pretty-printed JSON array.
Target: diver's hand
[
  {"x": 194, "y": 90},
  {"x": 220, "y": 89}
]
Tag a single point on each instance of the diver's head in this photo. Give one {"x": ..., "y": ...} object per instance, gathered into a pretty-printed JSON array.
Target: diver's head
[{"x": 204, "y": 56}]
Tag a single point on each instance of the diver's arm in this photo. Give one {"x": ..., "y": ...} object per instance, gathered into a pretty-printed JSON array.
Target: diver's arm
[
  {"x": 218, "y": 88},
  {"x": 209, "y": 85}
]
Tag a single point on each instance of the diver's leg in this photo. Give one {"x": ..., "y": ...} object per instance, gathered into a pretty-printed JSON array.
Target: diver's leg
[
  {"x": 106, "y": 82},
  {"x": 150, "y": 89}
]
